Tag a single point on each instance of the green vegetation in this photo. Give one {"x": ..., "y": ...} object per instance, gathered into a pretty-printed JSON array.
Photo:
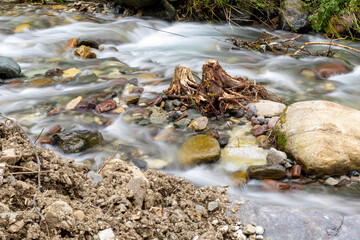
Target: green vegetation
[{"x": 335, "y": 17}]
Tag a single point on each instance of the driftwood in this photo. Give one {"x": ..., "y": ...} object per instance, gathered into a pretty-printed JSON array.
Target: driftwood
[{"x": 218, "y": 92}]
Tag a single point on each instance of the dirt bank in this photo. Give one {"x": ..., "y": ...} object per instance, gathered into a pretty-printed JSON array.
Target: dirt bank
[{"x": 121, "y": 203}]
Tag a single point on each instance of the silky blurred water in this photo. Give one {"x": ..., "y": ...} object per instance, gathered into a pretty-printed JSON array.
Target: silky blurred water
[{"x": 149, "y": 49}]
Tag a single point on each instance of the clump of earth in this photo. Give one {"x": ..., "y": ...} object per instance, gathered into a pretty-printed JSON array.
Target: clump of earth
[{"x": 117, "y": 202}]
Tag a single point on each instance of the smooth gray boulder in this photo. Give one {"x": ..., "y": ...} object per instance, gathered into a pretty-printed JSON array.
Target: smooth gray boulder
[{"x": 288, "y": 222}]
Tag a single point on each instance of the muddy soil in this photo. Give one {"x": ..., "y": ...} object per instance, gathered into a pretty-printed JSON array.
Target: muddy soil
[{"x": 124, "y": 203}]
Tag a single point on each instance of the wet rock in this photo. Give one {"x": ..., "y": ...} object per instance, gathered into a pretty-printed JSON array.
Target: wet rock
[
  {"x": 182, "y": 123},
  {"x": 296, "y": 171},
  {"x": 57, "y": 128},
  {"x": 84, "y": 52},
  {"x": 40, "y": 82},
  {"x": 84, "y": 76},
  {"x": 254, "y": 121},
  {"x": 199, "y": 149},
  {"x": 9, "y": 156},
  {"x": 269, "y": 108},
  {"x": 60, "y": 215},
  {"x": 299, "y": 222},
  {"x": 323, "y": 143},
  {"x": 158, "y": 115},
  {"x": 272, "y": 185},
  {"x": 216, "y": 134},
  {"x": 144, "y": 122},
  {"x": 43, "y": 140},
  {"x": 139, "y": 163},
  {"x": 105, "y": 106},
  {"x": 87, "y": 104},
  {"x": 223, "y": 141},
  {"x": 239, "y": 178},
  {"x": 294, "y": 16},
  {"x": 251, "y": 111},
  {"x": 155, "y": 101},
  {"x": 54, "y": 72},
  {"x": 263, "y": 141},
  {"x": 261, "y": 120},
  {"x": 106, "y": 234},
  {"x": 272, "y": 122},
  {"x": 266, "y": 172},
  {"x": 71, "y": 43},
  {"x": 242, "y": 150},
  {"x": 78, "y": 140},
  {"x": 9, "y": 68},
  {"x": 132, "y": 99},
  {"x": 88, "y": 42},
  {"x": 354, "y": 173},
  {"x": 331, "y": 181},
  {"x": 199, "y": 124},
  {"x": 276, "y": 157},
  {"x": 138, "y": 186},
  {"x": 260, "y": 130},
  {"x": 73, "y": 103},
  {"x": 329, "y": 69}
]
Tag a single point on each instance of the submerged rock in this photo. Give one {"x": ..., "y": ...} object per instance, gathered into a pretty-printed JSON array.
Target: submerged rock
[
  {"x": 78, "y": 140},
  {"x": 321, "y": 136},
  {"x": 266, "y": 172},
  {"x": 9, "y": 68},
  {"x": 329, "y": 69},
  {"x": 85, "y": 76},
  {"x": 199, "y": 149},
  {"x": 242, "y": 150}
]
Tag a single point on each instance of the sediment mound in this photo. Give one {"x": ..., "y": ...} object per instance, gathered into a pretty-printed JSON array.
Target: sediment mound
[{"x": 124, "y": 203}]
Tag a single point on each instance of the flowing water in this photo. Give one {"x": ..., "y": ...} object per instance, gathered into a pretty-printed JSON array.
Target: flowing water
[{"x": 149, "y": 49}]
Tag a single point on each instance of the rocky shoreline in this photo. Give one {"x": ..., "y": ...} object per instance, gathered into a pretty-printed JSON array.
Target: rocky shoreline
[{"x": 117, "y": 202}]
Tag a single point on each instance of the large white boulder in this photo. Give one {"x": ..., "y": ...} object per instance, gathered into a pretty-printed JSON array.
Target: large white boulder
[{"x": 322, "y": 136}]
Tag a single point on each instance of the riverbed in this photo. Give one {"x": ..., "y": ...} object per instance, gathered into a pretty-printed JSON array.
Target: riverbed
[{"x": 148, "y": 50}]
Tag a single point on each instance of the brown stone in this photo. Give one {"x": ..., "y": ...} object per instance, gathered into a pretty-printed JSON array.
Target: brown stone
[
  {"x": 57, "y": 128},
  {"x": 154, "y": 101},
  {"x": 260, "y": 131},
  {"x": 296, "y": 187},
  {"x": 329, "y": 69},
  {"x": 105, "y": 106},
  {"x": 71, "y": 43},
  {"x": 296, "y": 171},
  {"x": 272, "y": 185},
  {"x": 44, "y": 140},
  {"x": 263, "y": 141},
  {"x": 213, "y": 133},
  {"x": 53, "y": 112},
  {"x": 87, "y": 104}
]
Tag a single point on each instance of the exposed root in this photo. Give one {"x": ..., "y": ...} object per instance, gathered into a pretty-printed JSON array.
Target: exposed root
[{"x": 218, "y": 92}]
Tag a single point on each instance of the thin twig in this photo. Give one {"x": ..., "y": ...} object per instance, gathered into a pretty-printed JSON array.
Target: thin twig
[
  {"x": 39, "y": 135},
  {"x": 323, "y": 43},
  {"x": 16, "y": 173},
  {"x": 108, "y": 159},
  {"x": 38, "y": 162}
]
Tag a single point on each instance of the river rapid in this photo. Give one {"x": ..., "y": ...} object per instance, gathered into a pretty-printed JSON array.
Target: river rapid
[{"x": 149, "y": 50}]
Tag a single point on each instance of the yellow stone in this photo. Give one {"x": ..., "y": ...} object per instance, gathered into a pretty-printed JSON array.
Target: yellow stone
[
  {"x": 71, "y": 72},
  {"x": 239, "y": 178},
  {"x": 72, "y": 104},
  {"x": 58, "y": 7},
  {"x": 22, "y": 27},
  {"x": 119, "y": 110}
]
